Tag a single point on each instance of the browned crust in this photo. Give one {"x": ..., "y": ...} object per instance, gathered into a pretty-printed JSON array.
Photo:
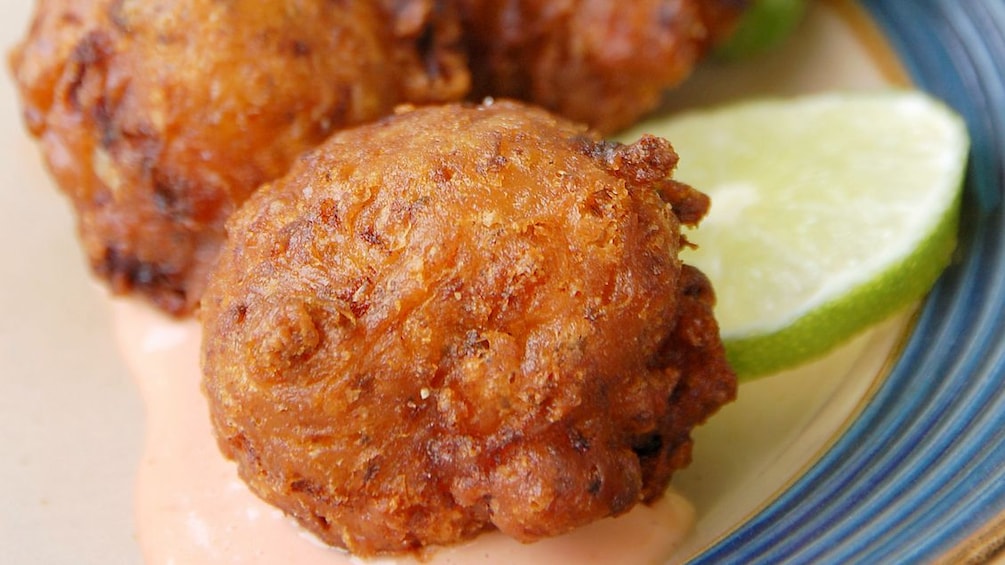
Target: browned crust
[
  {"x": 461, "y": 318},
  {"x": 159, "y": 118}
]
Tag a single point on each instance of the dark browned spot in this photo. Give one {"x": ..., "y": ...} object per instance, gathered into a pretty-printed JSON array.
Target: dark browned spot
[
  {"x": 300, "y": 48},
  {"x": 578, "y": 441},
  {"x": 648, "y": 446},
  {"x": 596, "y": 482},
  {"x": 328, "y": 213},
  {"x": 370, "y": 236}
]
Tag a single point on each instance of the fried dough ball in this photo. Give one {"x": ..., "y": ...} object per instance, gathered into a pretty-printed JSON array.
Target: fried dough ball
[
  {"x": 605, "y": 63},
  {"x": 462, "y": 318},
  {"x": 158, "y": 118}
]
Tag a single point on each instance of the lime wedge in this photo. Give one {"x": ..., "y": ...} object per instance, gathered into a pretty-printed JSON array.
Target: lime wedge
[
  {"x": 765, "y": 24},
  {"x": 829, "y": 213}
]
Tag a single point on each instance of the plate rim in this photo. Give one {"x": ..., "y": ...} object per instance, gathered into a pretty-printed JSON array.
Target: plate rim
[{"x": 955, "y": 64}]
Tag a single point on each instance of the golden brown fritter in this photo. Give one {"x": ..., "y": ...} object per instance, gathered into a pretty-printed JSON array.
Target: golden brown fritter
[
  {"x": 159, "y": 117},
  {"x": 601, "y": 62},
  {"x": 461, "y": 318}
]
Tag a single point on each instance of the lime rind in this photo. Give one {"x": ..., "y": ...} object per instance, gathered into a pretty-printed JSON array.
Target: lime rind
[
  {"x": 835, "y": 322},
  {"x": 766, "y": 24},
  {"x": 794, "y": 278}
]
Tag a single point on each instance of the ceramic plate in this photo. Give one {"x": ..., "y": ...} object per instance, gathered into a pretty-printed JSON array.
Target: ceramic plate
[
  {"x": 890, "y": 449},
  {"x": 919, "y": 475}
]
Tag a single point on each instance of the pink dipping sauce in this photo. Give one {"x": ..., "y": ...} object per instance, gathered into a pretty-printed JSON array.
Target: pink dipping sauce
[{"x": 192, "y": 509}]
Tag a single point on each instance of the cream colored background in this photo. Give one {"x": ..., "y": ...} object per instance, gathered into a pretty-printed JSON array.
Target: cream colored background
[{"x": 70, "y": 419}]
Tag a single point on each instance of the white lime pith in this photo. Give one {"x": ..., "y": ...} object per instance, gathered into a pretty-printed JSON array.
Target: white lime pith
[{"x": 829, "y": 213}]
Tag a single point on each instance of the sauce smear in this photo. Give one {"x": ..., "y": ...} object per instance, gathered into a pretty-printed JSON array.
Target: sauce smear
[{"x": 193, "y": 509}]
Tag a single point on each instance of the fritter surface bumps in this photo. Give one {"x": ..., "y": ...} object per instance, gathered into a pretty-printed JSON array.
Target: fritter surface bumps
[
  {"x": 158, "y": 118},
  {"x": 462, "y": 318}
]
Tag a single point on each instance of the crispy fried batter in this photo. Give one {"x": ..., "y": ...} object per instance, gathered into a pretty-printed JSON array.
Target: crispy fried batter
[
  {"x": 461, "y": 318},
  {"x": 601, "y": 62},
  {"x": 159, "y": 117}
]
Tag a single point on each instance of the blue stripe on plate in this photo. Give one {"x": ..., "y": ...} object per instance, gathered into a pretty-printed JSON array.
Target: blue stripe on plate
[{"x": 923, "y": 467}]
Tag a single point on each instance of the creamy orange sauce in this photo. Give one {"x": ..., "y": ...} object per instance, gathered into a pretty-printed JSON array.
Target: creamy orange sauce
[{"x": 191, "y": 507}]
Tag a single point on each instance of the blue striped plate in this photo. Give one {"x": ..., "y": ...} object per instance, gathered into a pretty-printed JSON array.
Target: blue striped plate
[{"x": 919, "y": 475}]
